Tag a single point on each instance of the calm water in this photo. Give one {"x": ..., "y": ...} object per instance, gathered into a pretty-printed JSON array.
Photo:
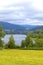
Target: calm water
[{"x": 17, "y": 37}]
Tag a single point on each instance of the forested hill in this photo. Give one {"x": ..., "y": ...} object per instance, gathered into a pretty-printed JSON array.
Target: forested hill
[{"x": 13, "y": 28}]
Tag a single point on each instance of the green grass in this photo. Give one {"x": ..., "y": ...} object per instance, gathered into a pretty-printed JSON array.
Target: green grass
[{"x": 21, "y": 57}]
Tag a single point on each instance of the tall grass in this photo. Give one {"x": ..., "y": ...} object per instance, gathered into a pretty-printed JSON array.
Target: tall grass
[{"x": 21, "y": 57}]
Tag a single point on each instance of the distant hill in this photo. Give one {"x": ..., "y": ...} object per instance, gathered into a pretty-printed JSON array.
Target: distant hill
[{"x": 13, "y": 28}]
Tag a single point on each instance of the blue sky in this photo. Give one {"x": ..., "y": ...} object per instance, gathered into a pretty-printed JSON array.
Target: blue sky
[{"x": 22, "y": 11}]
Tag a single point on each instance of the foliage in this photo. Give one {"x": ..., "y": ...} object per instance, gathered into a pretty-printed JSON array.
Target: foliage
[
  {"x": 39, "y": 42},
  {"x": 36, "y": 34},
  {"x": 11, "y": 42},
  {"x": 2, "y": 34},
  {"x": 28, "y": 40},
  {"x": 1, "y": 44},
  {"x": 6, "y": 46},
  {"x": 23, "y": 43}
]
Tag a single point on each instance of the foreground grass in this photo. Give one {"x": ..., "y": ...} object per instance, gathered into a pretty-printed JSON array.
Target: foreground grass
[{"x": 21, "y": 57}]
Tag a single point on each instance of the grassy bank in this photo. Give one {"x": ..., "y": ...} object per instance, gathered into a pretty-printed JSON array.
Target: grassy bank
[{"x": 21, "y": 57}]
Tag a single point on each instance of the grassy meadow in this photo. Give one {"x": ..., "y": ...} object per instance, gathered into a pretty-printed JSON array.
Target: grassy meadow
[{"x": 21, "y": 57}]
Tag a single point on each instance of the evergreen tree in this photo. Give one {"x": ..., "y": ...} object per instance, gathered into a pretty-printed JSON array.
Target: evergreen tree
[
  {"x": 23, "y": 43},
  {"x": 2, "y": 34},
  {"x": 28, "y": 40},
  {"x": 11, "y": 42}
]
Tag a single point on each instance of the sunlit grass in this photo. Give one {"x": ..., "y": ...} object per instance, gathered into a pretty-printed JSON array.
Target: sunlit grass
[{"x": 21, "y": 57}]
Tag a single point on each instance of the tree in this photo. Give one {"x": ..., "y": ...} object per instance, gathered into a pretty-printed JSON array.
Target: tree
[
  {"x": 23, "y": 43},
  {"x": 2, "y": 34},
  {"x": 28, "y": 40},
  {"x": 39, "y": 42},
  {"x": 1, "y": 44},
  {"x": 11, "y": 42},
  {"x": 6, "y": 46}
]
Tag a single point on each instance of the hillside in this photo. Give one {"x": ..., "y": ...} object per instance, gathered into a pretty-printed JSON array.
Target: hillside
[{"x": 13, "y": 28}]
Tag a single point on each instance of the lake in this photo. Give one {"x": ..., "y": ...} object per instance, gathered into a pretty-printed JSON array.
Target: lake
[{"x": 17, "y": 37}]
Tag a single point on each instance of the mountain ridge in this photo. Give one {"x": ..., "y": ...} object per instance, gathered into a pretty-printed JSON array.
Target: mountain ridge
[{"x": 14, "y": 28}]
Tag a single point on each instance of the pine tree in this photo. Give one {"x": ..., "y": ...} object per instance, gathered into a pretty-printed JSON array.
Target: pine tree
[{"x": 11, "y": 43}]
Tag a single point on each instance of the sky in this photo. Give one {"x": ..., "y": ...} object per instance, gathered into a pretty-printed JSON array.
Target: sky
[{"x": 22, "y": 12}]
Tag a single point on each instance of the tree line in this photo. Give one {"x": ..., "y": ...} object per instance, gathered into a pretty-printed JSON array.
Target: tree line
[{"x": 30, "y": 42}]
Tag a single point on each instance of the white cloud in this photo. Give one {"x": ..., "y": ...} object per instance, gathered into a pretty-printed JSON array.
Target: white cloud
[
  {"x": 22, "y": 11},
  {"x": 37, "y": 4}
]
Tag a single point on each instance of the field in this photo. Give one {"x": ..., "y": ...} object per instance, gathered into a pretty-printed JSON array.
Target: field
[{"x": 21, "y": 57}]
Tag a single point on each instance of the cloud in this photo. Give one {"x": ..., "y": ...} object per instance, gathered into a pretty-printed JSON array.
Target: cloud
[{"x": 22, "y": 11}]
